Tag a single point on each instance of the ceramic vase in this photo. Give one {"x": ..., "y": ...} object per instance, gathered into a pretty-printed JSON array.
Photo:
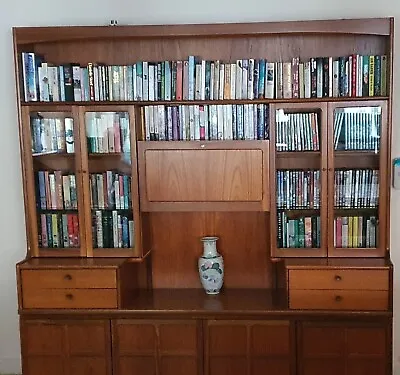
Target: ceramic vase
[{"x": 211, "y": 266}]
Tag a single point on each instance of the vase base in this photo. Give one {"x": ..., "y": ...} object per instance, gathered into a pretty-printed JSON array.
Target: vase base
[{"x": 212, "y": 292}]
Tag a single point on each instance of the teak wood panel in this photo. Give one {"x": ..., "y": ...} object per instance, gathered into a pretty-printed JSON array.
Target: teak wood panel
[
  {"x": 243, "y": 241},
  {"x": 355, "y": 279},
  {"x": 204, "y": 175},
  {"x": 225, "y": 48},
  {"x": 66, "y": 347},
  {"x": 339, "y": 299},
  {"x": 249, "y": 348},
  {"x": 157, "y": 347},
  {"x": 29, "y": 35},
  {"x": 36, "y": 298},
  {"x": 69, "y": 278},
  {"x": 380, "y": 161},
  {"x": 344, "y": 348}
]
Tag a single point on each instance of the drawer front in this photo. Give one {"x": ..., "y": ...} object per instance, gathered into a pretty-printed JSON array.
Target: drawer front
[
  {"x": 339, "y": 279},
  {"x": 69, "y": 298},
  {"x": 338, "y": 300},
  {"x": 69, "y": 278}
]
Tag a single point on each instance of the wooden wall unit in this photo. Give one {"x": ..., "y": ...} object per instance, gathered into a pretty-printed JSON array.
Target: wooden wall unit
[{"x": 299, "y": 198}]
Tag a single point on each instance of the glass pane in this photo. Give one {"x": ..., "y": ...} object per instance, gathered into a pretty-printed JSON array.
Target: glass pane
[
  {"x": 356, "y": 157},
  {"x": 297, "y": 131},
  {"x": 298, "y": 208},
  {"x": 53, "y": 154},
  {"x": 357, "y": 128},
  {"x": 109, "y": 148}
]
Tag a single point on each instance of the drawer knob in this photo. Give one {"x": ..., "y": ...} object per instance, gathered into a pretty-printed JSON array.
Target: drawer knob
[
  {"x": 338, "y": 298},
  {"x": 68, "y": 277},
  {"x": 338, "y": 278},
  {"x": 69, "y": 296}
]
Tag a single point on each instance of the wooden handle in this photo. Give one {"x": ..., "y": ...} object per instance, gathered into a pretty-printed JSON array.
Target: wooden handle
[
  {"x": 67, "y": 277},
  {"x": 338, "y": 278},
  {"x": 69, "y": 296}
]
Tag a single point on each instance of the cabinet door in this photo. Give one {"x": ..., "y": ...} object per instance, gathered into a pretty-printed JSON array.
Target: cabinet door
[
  {"x": 157, "y": 347},
  {"x": 66, "y": 348},
  {"x": 213, "y": 176},
  {"x": 53, "y": 181},
  {"x": 110, "y": 181},
  {"x": 346, "y": 349},
  {"x": 249, "y": 348},
  {"x": 357, "y": 179},
  {"x": 298, "y": 176}
]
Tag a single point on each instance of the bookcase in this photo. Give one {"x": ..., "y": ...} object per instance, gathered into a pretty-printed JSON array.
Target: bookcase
[{"x": 136, "y": 141}]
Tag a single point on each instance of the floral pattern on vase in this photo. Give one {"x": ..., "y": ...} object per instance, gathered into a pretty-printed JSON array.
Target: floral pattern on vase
[{"x": 211, "y": 266}]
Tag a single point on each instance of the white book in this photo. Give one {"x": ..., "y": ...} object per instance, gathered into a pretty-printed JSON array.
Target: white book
[{"x": 270, "y": 80}]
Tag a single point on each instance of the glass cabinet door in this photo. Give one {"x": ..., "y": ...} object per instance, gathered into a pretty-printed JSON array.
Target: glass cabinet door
[
  {"x": 109, "y": 182},
  {"x": 300, "y": 162},
  {"x": 55, "y": 183},
  {"x": 358, "y": 157}
]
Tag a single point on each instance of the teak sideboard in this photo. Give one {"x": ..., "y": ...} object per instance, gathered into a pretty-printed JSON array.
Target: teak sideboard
[{"x": 136, "y": 141}]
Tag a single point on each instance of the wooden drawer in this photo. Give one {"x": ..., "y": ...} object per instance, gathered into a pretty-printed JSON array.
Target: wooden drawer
[
  {"x": 338, "y": 299},
  {"x": 36, "y": 298},
  {"x": 69, "y": 278},
  {"x": 347, "y": 279}
]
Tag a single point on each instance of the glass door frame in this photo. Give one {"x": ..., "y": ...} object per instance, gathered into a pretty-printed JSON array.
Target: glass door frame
[
  {"x": 384, "y": 175},
  {"x": 320, "y": 107}
]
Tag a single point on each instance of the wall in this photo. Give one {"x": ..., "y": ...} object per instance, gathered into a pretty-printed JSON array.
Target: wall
[{"x": 75, "y": 12}]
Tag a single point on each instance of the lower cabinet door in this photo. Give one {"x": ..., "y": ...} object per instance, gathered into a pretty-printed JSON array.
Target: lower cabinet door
[
  {"x": 157, "y": 347},
  {"x": 73, "y": 347},
  {"x": 249, "y": 347},
  {"x": 344, "y": 349}
]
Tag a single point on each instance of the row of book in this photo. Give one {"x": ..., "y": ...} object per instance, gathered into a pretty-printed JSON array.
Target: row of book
[
  {"x": 110, "y": 190},
  {"x": 357, "y": 128},
  {"x": 52, "y": 134},
  {"x": 356, "y": 232},
  {"x": 206, "y": 122},
  {"x": 356, "y": 188},
  {"x": 297, "y": 131},
  {"x": 56, "y": 191},
  {"x": 199, "y": 79},
  {"x": 298, "y": 189},
  {"x": 299, "y": 232},
  {"x": 58, "y": 230},
  {"x": 108, "y": 132},
  {"x": 112, "y": 229}
]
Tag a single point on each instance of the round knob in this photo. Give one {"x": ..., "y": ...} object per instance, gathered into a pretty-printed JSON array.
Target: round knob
[
  {"x": 338, "y": 298},
  {"x": 69, "y": 296},
  {"x": 68, "y": 277},
  {"x": 338, "y": 278}
]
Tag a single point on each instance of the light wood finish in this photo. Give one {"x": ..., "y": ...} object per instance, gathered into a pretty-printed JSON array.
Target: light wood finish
[
  {"x": 36, "y": 298},
  {"x": 69, "y": 278},
  {"x": 79, "y": 283},
  {"x": 339, "y": 279},
  {"x": 204, "y": 175},
  {"x": 338, "y": 299}
]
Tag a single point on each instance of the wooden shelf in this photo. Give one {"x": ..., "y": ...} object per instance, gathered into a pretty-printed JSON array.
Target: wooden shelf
[{"x": 202, "y": 102}]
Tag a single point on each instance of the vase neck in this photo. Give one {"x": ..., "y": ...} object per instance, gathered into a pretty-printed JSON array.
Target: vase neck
[{"x": 210, "y": 247}]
